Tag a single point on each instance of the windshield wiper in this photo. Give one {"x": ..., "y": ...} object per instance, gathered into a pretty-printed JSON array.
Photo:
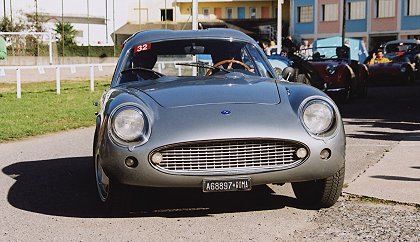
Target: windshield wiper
[{"x": 203, "y": 65}]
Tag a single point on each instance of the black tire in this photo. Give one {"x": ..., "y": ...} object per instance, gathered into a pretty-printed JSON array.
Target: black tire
[
  {"x": 409, "y": 78},
  {"x": 343, "y": 96},
  {"x": 364, "y": 90},
  {"x": 320, "y": 193},
  {"x": 113, "y": 197},
  {"x": 302, "y": 78}
]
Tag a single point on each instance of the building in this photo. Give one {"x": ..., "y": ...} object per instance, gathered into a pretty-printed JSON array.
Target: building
[
  {"x": 374, "y": 21},
  {"x": 258, "y": 18}
]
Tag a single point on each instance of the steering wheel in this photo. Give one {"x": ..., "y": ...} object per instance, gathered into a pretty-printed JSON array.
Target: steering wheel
[{"x": 210, "y": 71}]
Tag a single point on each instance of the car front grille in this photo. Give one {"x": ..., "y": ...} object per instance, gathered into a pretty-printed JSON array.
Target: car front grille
[{"x": 228, "y": 156}]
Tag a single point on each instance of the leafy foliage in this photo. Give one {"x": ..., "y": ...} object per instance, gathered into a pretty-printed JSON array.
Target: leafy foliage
[{"x": 67, "y": 32}]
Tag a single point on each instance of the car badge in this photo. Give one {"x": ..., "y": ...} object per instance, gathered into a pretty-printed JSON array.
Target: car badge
[{"x": 226, "y": 112}]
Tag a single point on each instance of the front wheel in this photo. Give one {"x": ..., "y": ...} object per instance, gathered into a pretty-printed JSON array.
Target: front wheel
[
  {"x": 320, "y": 193},
  {"x": 112, "y": 195}
]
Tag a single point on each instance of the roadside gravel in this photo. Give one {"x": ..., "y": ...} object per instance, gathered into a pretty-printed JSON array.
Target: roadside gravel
[{"x": 354, "y": 219}]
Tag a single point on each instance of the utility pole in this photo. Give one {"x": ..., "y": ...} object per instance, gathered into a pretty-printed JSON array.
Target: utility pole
[
  {"x": 279, "y": 25},
  {"x": 139, "y": 15},
  {"x": 194, "y": 14},
  {"x": 62, "y": 30},
  {"x": 106, "y": 20},
  {"x": 113, "y": 25},
  {"x": 166, "y": 16},
  {"x": 343, "y": 28},
  {"x": 4, "y": 8},
  {"x": 11, "y": 12},
  {"x": 36, "y": 25},
  {"x": 88, "y": 20}
]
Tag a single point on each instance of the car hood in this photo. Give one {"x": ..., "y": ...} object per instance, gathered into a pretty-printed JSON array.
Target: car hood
[{"x": 171, "y": 92}]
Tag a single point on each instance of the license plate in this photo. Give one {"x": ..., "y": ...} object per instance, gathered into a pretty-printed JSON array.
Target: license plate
[{"x": 227, "y": 185}]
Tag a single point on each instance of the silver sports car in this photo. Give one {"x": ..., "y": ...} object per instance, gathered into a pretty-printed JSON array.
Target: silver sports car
[{"x": 204, "y": 109}]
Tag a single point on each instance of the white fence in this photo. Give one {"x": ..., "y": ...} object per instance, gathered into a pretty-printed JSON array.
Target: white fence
[
  {"x": 160, "y": 66},
  {"x": 58, "y": 68}
]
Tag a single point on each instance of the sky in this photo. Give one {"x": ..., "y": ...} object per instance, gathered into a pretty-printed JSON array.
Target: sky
[{"x": 76, "y": 7}]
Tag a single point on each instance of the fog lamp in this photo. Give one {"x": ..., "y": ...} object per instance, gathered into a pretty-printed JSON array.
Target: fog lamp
[
  {"x": 301, "y": 153},
  {"x": 131, "y": 162},
  {"x": 325, "y": 154},
  {"x": 157, "y": 158}
]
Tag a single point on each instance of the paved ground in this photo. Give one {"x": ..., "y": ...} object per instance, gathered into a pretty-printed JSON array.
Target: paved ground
[
  {"x": 47, "y": 190},
  {"x": 396, "y": 177}
]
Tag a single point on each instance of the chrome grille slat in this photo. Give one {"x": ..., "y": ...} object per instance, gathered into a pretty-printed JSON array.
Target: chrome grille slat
[{"x": 222, "y": 155}]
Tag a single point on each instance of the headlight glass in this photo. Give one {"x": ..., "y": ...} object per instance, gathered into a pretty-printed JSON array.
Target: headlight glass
[
  {"x": 128, "y": 124},
  {"x": 403, "y": 69},
  {"x": 318, "y": 117},
  {"x": 331, "y": 69}
]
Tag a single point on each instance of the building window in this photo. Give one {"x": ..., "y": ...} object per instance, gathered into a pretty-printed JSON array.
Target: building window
[
  {"x": 206, "y": 13},
  {"x": 305, "y": 14},
  {"x": 413, "y": 7},
  {"x": 356, "y": 10},
  {"x": 252, "y": 13},
  {"x": 229, "y": 13},
  {"x": 167, "y": 15},
  {"x": 385, "y": 8},
  {"x": 329, "y": 12}
]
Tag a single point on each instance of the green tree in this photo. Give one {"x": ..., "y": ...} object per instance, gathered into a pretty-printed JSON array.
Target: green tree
[
  {"x": 69, "y": 33},
  {"x": 6, "y": 25}
]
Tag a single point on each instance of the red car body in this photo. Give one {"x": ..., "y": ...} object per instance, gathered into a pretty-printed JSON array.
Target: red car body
[
  {"x": 339, "y": 77},
  {"x": 404, "y": 55}
]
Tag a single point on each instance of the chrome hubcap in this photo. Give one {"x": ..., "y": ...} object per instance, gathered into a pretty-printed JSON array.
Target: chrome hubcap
[{"x": 102, "y": 181}]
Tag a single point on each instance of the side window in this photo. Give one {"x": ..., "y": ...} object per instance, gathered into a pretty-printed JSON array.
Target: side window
[{"x": 261, "y": 65}]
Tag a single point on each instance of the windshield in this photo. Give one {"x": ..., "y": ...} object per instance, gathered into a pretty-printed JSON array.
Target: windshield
[
  {"x": 399, "y": 49},
  {"x": 321, "y": 53},
  {"x": 191, "y": 57}
]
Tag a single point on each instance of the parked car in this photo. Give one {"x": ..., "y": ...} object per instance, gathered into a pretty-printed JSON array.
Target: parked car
[
  {"x": 405, "y": 61},
  {"x": 279, "y": 63},
  {"x": 230, "y": 128},
  {"x": 337, "y": 70}
]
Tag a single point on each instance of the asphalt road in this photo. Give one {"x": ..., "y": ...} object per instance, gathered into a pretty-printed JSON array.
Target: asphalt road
[{"x": 47, "y": 189}]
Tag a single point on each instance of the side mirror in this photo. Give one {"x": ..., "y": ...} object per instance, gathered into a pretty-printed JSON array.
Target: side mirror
[{"x": 287, "y": 73}]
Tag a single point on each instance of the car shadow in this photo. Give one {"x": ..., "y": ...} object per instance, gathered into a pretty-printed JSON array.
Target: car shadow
[
  {"x": 66, "y": 187},
  {"x": 394, "y": 109}
]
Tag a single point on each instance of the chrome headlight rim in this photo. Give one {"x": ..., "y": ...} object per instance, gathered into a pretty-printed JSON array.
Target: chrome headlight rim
[
  {"x": 331, "y": 129},
  {"x": 144, "y": 135}
]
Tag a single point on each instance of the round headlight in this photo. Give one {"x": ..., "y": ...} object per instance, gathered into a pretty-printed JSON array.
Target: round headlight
[
  {"x": 331, "y": 69},
  {"x": 128, "y": 124},
  {"x": 318, "y": 117},
  {"x": 403, "y": 69}
]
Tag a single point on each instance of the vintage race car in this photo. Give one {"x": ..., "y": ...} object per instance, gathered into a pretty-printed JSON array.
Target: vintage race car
[
  {"x": 279, "y": 63},
  {"x": 203, "y": 109},
  {"x": 405, "y": 61},
  {"x": 337, "y": 70}
]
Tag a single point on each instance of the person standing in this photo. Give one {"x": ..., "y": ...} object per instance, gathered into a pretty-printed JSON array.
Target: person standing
[{"x": 306, "y": 49}]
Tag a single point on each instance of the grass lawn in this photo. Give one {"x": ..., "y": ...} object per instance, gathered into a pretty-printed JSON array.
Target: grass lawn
[{"x": 41, "y": 110}]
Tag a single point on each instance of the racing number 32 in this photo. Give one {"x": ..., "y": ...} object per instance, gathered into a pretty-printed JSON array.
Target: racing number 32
[{"x": 142, "y": 47}]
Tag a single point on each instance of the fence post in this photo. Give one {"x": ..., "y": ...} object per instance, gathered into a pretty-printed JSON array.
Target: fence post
[
  {"x": 18, "y": 84},
  {"x": 92, "y": 79},
  {"x": 179, "y": 70},
  {"x": 57, "y": 78}
]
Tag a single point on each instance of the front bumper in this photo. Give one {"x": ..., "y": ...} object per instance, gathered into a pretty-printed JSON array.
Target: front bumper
[{"x": 146, "y": 174}]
